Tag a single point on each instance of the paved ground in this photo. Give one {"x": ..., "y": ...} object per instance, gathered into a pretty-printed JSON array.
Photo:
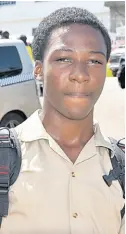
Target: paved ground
[{"x": 109, "y": 110}]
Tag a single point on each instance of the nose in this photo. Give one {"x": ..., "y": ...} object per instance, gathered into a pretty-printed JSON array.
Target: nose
[{"x": 79, "y": 73}]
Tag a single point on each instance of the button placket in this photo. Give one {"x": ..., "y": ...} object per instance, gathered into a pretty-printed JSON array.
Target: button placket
[{"x": 75, "y": 215}]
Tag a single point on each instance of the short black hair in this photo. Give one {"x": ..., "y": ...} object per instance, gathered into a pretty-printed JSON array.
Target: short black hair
[
  {"x": 61, "y": 17},
  {"x": 5, "y": 34},
  {"x": 23, "y": 38}
]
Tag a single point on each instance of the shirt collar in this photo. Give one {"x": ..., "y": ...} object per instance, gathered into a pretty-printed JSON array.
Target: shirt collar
[
  {"x": 32, "y": 129},
  {"x": 100, "y": 139}
]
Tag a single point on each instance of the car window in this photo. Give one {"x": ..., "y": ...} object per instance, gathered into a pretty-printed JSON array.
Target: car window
[{"x": 10, "y": 63}]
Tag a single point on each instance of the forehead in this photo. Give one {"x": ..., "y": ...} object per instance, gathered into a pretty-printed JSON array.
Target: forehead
[{"x": 77, "y": 36}]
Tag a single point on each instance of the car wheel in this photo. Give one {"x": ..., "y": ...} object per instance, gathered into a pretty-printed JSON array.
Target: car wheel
[{"x": 11, "y": 120}]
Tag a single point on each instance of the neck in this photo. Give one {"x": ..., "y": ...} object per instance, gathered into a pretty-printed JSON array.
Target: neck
[{"x": 66, "y": 131}]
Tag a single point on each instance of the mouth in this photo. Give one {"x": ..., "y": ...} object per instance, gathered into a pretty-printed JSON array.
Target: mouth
[{"x": 78, "y": 95}]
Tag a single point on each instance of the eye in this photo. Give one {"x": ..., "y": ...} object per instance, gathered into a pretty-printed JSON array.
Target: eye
[
  {"x": 64, "y": 60},
  {"x": 93, "y": 61}
]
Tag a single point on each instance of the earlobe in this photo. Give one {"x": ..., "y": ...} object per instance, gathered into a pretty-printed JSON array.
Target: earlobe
[{"x": 38, "y": 73}]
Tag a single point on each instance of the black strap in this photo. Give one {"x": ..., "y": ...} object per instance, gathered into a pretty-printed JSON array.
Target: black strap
[
  {"x": 118, "y": 172},
  {"x": 16, "y": 165},
  {"x": 10, "y": 163},
  {"x": 118, "y": 162}
]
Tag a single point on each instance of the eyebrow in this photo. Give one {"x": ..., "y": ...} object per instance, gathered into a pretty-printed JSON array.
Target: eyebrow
[
  {"x": 91, "y": 52},
  {"x": 97, "y": 52},
  {"x": 64, "y": 49}
]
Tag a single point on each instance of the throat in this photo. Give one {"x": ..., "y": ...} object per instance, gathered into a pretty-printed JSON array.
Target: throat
[{"x": 72, "y": 152}]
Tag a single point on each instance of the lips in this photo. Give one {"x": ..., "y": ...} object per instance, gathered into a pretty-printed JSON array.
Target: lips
[{"x": 78, "y": 94}]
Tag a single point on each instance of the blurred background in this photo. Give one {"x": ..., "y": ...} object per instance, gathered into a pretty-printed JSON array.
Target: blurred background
[
  {"x": 18, "y": 21},
  {"x": 23, "y": 17}
]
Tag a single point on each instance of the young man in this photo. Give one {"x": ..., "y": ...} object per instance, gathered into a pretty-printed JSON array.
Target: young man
[{"x": 60, "y": 189}]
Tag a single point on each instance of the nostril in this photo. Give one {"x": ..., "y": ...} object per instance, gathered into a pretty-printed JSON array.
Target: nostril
[
  {"x": 81, "y": 77},
  {"x": 80, "y": 73}
]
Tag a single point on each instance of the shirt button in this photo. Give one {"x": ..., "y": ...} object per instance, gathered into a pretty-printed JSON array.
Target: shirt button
[
  {"x": 73, "y": 174},
  {"x": 75, "y": 215}
]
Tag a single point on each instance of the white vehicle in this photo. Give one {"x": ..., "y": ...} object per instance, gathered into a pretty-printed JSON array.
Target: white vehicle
[
  {"x": 18, "y": 93},
  {"x": 114, "y": 61}
]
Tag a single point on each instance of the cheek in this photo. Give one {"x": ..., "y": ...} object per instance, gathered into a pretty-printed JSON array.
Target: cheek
[
  {"x": 98, "y": 75},
  {"x": 98, "y": 81},
  {"x": 99, "y": 71},
  {"x": 55, "y": 78}
]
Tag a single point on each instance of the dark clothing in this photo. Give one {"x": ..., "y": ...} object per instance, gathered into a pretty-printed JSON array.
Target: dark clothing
[{"x": 121, "y": 76}]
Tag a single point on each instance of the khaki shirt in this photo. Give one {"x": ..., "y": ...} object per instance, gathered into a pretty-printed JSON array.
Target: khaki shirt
[{"x": 54, "y": 196}]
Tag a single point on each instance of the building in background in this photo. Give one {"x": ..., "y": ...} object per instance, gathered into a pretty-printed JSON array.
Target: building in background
[
  {"x": 117, "y": 20},
  {"x": 117, "y": 14},
  {"x": 23, "y": 17}
]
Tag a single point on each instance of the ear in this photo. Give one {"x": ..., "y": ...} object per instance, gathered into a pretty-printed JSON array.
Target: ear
[{"x": 38, "y": 71}]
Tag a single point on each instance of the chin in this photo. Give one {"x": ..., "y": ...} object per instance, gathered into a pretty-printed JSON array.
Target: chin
[
  {"x": 78, "y": 109},
  {"x": 78, "y": 115}
]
